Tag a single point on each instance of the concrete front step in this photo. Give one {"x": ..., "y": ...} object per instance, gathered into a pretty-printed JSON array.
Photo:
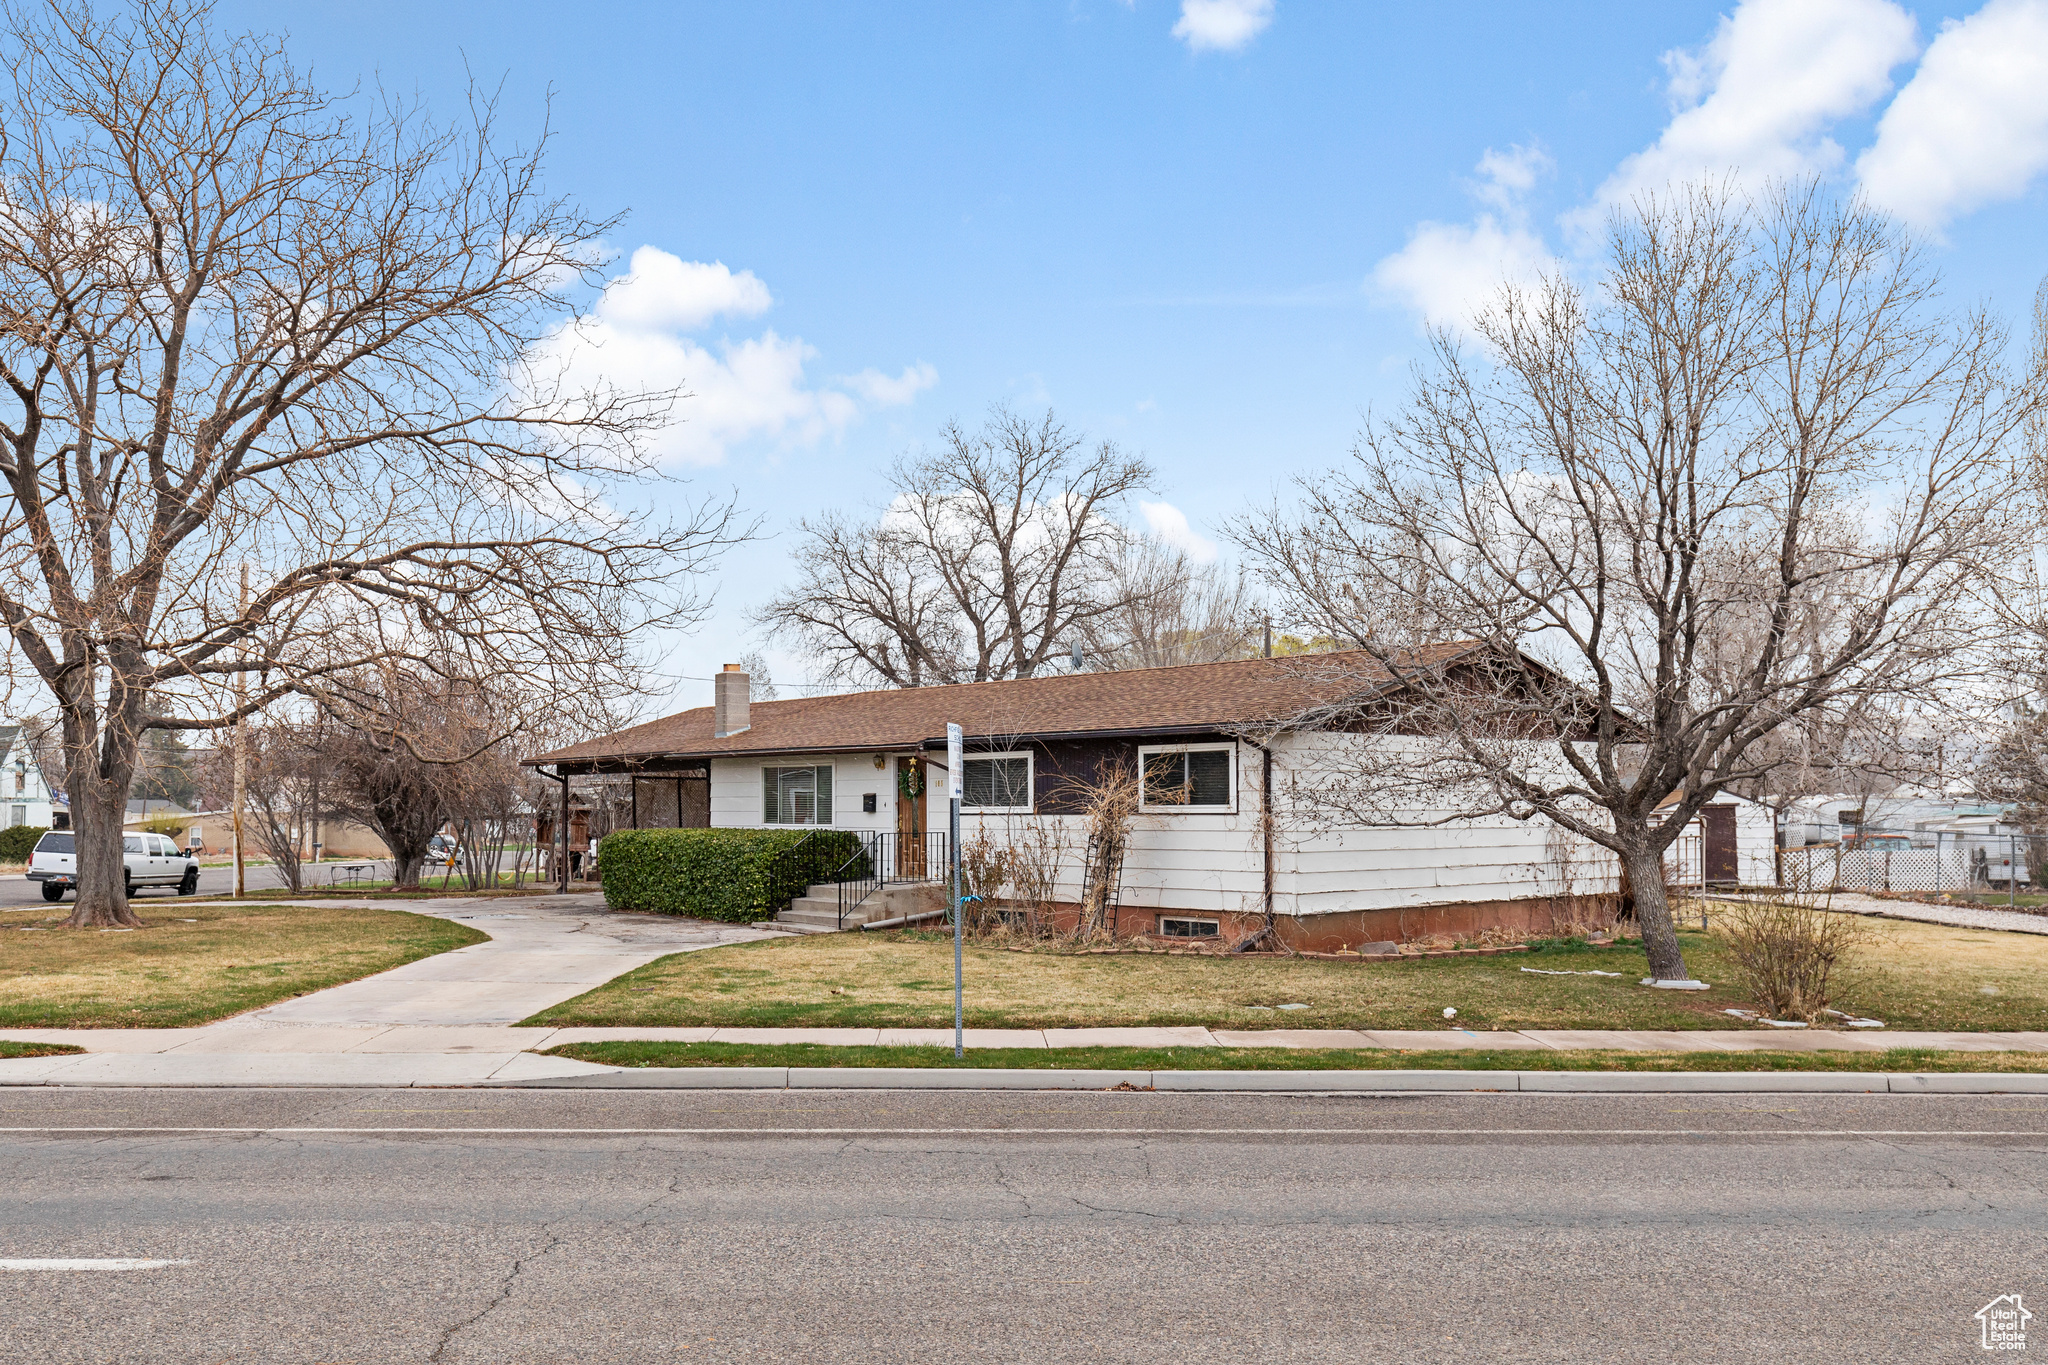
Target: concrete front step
[{"x": 820, "y": 909}]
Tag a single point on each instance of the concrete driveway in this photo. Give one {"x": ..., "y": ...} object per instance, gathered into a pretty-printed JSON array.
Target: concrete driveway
[{"x": 542, "y": 950}]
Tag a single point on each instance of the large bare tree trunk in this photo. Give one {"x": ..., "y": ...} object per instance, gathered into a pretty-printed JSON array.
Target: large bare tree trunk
[
  {"x": 1644, "y": 869},
  {"x": 99, "y": 804}
]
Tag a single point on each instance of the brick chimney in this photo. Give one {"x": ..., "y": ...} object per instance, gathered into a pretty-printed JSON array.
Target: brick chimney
[{"x": 730, "y": 692}]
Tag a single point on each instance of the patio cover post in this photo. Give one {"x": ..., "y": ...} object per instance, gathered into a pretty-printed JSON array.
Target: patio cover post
[{"x": 562, "y": 839}]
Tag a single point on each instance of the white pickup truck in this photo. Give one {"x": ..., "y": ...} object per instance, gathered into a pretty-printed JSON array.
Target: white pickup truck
[{"x": 152, "y": 860}]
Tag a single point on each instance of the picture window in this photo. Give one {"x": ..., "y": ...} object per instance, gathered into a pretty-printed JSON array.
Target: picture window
[
  {"x": 796, "y": 796},
  {"x": 1188, "y": 779},
  {"x": 996, "y": 782}
]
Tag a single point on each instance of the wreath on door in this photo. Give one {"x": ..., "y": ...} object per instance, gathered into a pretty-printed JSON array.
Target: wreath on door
[{"x": 910, "y": 778}]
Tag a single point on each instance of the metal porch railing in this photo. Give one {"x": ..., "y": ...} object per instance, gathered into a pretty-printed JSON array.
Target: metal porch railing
[{"x": 886, "y": 857}]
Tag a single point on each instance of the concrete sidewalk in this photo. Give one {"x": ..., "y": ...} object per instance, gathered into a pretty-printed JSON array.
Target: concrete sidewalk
[{"x": 383, "y": 1055}]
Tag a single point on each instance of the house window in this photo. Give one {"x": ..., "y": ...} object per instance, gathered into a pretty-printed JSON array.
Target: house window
[
  {"x": 1188, "y": 928},
  {"x": 796, "y": 796},
  {"x": 998, "y": 782},
  {"x": 1196, "y": 778},
  {"x": 17, "y": 816}
]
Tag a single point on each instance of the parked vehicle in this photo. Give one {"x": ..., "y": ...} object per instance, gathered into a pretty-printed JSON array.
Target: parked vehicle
[
  {"x": 442, "y": 851},
  {"x": 1883, "y": 843},
  {"x": 150, "y": 860}
]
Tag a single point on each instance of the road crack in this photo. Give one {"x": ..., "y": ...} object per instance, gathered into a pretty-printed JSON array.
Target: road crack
[{"x": 503, "y": 1293}]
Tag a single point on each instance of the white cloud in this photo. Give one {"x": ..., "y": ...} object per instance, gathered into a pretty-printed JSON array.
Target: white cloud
[
  {"x": 1505, "y": 177},
  {"x": 738, "y": 391},
  {"x": 1971, "y": 127},
  {"x": 1170, "y": 525},
  {"x": 1756, "y": 101},
  {"x": 1222, "y": 25},
  {"x": 662, "y": 291},
  {"x": 1448, "y": 272},
  {"x": 885, "y": 391}
]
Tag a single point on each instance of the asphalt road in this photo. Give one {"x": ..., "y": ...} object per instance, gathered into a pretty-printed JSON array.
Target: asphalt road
[
  {"x": 18, "y": 891},
  {"x": 551, "y": 1226}
]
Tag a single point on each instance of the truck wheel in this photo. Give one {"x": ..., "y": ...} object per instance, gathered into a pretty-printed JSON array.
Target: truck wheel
[
  {"x": 127, "y": 886},
  {"x": 52, "y": 893},
  {"x": 190, "y": 886}
]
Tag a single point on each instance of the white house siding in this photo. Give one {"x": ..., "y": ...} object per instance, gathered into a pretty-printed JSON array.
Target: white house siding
[
  {"x": 1327, "y": 870},
  {"x": 1756, "y": 843},
  {"x": 736, "y": 790},
  {"x": 1210, "y": 863}
]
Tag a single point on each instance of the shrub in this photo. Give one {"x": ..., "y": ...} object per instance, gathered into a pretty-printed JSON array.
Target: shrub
[
  {"x": 721, "y": 874},
  {"x": 1789, "y": 953},
  {"x": 17, "y": 843}
]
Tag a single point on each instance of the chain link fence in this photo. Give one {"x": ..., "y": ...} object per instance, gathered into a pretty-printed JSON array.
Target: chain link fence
[{"x": 1912, "y": 860}]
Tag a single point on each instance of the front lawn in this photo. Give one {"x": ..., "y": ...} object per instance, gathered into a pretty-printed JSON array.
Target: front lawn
[
  {"x": 1917, "y": 976},
  {"x": 1287, "y": 1059},
  {"x": 195, "y": 963}
]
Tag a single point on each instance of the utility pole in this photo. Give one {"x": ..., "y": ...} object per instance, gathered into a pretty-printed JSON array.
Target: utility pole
[
  {"x": 954, "y": 746},
  {"x": 241, "y": 730}
]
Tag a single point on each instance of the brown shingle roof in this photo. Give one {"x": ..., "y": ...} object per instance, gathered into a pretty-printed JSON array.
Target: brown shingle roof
[{"x": 1192, "y": 698}]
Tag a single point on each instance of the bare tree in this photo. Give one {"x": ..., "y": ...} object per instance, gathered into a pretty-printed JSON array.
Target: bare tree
[
  {"x": 1169, "y": 609},
  {"x": 996, "y": 553},
  {"x": 402, "y": 770},
  {"x": 1747, "y": 479},
  {"x": 268, "y": 417},
  {"x": 283, "y": 761}
]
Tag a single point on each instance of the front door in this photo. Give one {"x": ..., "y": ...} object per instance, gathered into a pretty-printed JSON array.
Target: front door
[{"x": 910, "y": 779}]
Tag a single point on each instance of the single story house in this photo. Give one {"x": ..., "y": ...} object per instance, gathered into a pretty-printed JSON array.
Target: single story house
[{"x": 1200, "y": 859}]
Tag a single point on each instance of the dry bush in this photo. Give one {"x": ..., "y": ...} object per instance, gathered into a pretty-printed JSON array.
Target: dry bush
[{"x": 1790, "y": 952}]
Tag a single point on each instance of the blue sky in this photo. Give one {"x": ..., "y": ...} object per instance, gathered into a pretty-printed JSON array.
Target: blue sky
[{"x": 1205, "y": 229}]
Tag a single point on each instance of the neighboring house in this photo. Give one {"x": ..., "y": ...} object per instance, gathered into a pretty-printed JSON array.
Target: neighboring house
[
  {"x": 25, "y": 799},
  {"x": 1733, "y": 841},
  {"x": 872, "y": 762},
  {"x": 213, "y": 832}
]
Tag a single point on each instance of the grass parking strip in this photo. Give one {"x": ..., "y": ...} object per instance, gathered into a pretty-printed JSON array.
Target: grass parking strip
[
  {"x": 653, "y": 1054},
  {"x": 10, "y": 1048}
]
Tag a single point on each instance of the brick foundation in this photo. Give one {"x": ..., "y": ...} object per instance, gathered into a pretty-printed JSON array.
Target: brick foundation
[{"x": 1535, "y": 916}]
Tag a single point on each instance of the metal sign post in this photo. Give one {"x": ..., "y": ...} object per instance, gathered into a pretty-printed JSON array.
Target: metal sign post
[{"x": 953, "y": 747}]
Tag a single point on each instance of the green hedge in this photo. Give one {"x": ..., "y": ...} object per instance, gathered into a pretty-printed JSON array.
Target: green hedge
[
  {"x": 723, "y": 874},
  {"x": 18, "y": 843}
]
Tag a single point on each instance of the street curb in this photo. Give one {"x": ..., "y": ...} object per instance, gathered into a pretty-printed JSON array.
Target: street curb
[
  {"x": 1303, "y": 1082},
  {"x": 1299, "y": 1082}
]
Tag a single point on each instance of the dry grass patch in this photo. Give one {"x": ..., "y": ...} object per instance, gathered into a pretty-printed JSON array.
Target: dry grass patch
[
  {"x": 1914, "y": 976},
  {"x": 195, "y": 963}
]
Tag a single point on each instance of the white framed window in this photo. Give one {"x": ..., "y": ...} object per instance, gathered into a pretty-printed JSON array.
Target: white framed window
[
  {"x": 1179, "y": 926},
  {"x": 797, "y": 796},
  {"x": 996, "y": 782},
  {"x": 1189, "y": 777}
]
